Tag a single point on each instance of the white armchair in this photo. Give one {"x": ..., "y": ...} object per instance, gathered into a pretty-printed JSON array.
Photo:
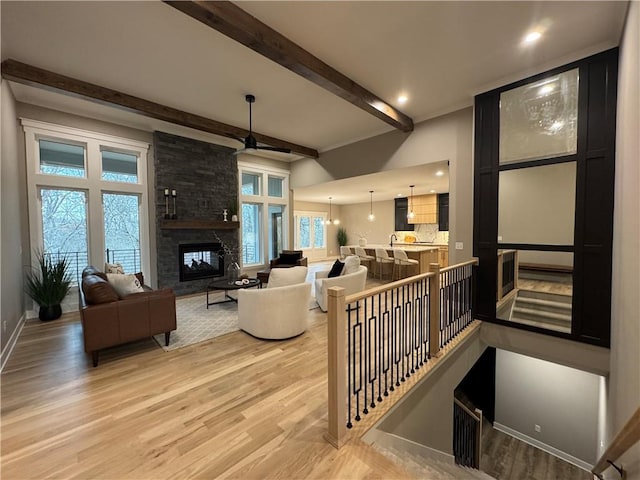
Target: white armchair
[
  {"x": 351, "y": 282},
  {"x": 279, "y": 312}
]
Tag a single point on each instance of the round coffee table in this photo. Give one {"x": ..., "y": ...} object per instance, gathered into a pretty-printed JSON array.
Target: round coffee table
[{"x": 226, "y": 286}]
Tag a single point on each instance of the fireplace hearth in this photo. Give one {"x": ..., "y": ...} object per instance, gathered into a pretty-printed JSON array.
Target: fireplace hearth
[{"x": 200, "y": 260}]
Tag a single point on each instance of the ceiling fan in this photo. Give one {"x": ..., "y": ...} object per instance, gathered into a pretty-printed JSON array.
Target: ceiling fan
[{"x": 249, "y": 141}]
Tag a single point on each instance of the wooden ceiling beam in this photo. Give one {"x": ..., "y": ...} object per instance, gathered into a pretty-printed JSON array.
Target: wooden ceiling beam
[
  {"x": 232, "y": 21},
  {"x": 34, "y": 76}
]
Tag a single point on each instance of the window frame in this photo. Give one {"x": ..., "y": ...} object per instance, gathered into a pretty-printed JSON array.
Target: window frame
[
  {"x": 92, "y": 183},
  {"x": 263, "y": 199}
]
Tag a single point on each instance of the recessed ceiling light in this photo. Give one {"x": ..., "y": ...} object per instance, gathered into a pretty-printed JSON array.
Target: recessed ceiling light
[
  {"x": 398, "y": 194},
  {"x": 432, "y": 191},
  {"x": 439, "y": 173},
  {"x": 532, "y": 37},
  {"x": 402, "y": 99}
]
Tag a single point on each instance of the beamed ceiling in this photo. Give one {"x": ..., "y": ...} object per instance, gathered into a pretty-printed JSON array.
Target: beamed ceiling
[{"x": 324, "y": 74}]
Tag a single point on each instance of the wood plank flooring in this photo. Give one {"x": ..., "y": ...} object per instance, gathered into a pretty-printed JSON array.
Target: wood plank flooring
[{"x": 232, "y": 407}]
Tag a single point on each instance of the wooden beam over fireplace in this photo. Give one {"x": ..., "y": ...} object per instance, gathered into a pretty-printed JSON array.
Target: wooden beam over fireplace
[
  {"x": 34, "y": 76},
  {"x": 235, "y": 23}
]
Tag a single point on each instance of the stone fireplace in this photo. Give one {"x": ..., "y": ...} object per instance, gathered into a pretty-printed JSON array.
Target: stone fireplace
[{"x": 205, "y": 178}]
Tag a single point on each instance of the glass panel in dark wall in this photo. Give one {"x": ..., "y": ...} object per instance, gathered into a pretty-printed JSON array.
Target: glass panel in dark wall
[{"x": 593, "y": 214}]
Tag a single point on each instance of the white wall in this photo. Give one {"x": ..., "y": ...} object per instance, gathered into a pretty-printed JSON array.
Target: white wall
[
  {"x": 563, "y": 401},
  {"x": 13, "y": 221},
  {"x": 448, "y": 137},
  {"x": 425, "y": 416},
  {"x": 624, "y": 382},
  {"x": 355, "y": 220}
]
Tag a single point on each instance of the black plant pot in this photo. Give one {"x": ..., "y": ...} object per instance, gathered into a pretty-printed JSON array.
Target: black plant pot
[{"x": 50, "y": 313}]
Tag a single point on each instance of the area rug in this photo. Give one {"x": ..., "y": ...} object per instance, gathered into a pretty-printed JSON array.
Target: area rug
[{"x": 196, "y": 323}]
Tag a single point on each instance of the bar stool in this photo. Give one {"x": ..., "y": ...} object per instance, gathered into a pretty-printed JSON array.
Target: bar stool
[
  {"x": 344, "y": 252},
  {"x": 364, "y": 258},
  {"x": 382, "y": 259},
  {"x": 400, "y": 260}
]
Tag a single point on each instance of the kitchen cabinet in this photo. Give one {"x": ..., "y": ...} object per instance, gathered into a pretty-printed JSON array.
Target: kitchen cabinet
[
  {"x": 401, "y": 210},
  {"x": 443, "y": 212},
  {"x": 425, "y": 209}
]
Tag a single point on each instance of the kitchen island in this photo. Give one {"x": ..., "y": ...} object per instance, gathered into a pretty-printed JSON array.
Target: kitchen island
[{"x": 425, "y": 254}]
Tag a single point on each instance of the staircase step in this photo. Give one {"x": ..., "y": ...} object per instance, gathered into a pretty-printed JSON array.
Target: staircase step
[
  {"x": 544, "y": 303},
  {"x": 540, "y": 314}
]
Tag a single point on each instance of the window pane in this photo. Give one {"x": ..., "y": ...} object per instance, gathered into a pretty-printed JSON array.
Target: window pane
[
  {"x": 250, "y": 184},
  {"x": 536, "y": 205},
  {"x": 276, "y": 230},
  {"x": 122, "y": 230},
  {"x": 540, "y": 120},
  {"x": 304, "y": 232},
  {"x": 64, "y": 227},
  {"x": 119, "y": 167},
  {"x": 251, "y": 236},
  {"x": 58, "y": 158},
  {"x": 318, "y": 232},
  {"x": 275, "y": 186},
  {"x": 535, "y": 288}
]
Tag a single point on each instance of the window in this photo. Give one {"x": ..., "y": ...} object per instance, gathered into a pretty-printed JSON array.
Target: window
[
  {"x": 64, "y": 226},
  {"x": 264, "y": 213},
  {"x": 57, "y": 158},
  {"x": 250, "y": 184},
  {"x": 275, "y": 186},
  {"x": 121, "y": 217},
  {"x": 311, "y": 234},
  {"x": 119, "y": 167},
  {"x": 87, "y": 196}
]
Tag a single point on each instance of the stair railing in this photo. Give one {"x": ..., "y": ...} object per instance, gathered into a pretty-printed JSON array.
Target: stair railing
[
  {"x": 467, "y": 435},
  {"x": 507, "y": 272},
  {"x": 379, "y": 338},
  {"x": 627, "y": 437}
]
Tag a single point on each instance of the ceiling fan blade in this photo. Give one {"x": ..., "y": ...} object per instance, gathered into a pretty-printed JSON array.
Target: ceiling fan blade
[{"x": 275, "y": 149}]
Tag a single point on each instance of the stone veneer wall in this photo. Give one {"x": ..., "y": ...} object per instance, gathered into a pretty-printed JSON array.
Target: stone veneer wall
[{"x": 205, "y": 177}]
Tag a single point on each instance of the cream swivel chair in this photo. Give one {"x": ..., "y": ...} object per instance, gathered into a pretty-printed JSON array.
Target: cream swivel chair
[
  {"x": 367, "y": 260},
  {"x": 400, "y": 260},
  {"x": 279, "y": 311},
  {"x": 345, "y": 252},
  {"x": 382, "y": 259},
  {"x": 353, "y": 279}
]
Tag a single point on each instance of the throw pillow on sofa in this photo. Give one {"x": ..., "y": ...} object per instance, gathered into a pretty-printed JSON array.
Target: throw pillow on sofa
[
  {"x": 113, "y": 268},
  {"x": 336, "y": 269},
  {"x": 351, "y": 264},
  {"x": 125, "y": 284}
]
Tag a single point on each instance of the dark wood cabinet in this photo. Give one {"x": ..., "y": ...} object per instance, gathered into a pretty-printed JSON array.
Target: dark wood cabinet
[
  {"x": 443, "y": 212},
  {"x": 401, "y": 210}
]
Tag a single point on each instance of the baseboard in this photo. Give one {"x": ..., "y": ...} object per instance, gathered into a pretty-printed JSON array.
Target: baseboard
[
  {"x": 395, "y": 442},
  {"x": 544, "y": 447},
  {"x": 6, "y": 353}
]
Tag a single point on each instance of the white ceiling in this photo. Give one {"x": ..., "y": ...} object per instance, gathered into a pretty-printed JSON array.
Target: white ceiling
[{"x": 440, "y": 54}]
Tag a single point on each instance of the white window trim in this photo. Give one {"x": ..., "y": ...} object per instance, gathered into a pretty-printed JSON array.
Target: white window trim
[
  {"x": 92, "y": 183},
  {"x": 265, "y": 200},
  {"x": 306, "y": 213}
]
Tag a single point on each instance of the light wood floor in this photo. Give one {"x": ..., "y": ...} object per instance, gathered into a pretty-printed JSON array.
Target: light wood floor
[{"x": 232, "y": 407}]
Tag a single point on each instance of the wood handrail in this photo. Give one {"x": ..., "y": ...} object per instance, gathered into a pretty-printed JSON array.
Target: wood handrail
[
  {"x": 473, "y": 261},
  {"x": 387, "y": 286},
  {"x": 464, "y": 407},
  {"x": 628, "y": 436}
]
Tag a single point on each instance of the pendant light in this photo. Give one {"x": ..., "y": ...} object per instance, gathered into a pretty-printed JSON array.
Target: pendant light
[
  {"x": 372, "y": 217},
  {"x": 330, "y": 221},
  {"x": 411, "y": 214}
]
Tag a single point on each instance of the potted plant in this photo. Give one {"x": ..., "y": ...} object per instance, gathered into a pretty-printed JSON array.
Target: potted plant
[
  {"x": 342, "y": 236},
  {"x": 48, "y": 286}
]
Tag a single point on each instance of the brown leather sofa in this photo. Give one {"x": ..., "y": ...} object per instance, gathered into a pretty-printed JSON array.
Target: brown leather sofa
[{"x": 108, "y": 320}]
